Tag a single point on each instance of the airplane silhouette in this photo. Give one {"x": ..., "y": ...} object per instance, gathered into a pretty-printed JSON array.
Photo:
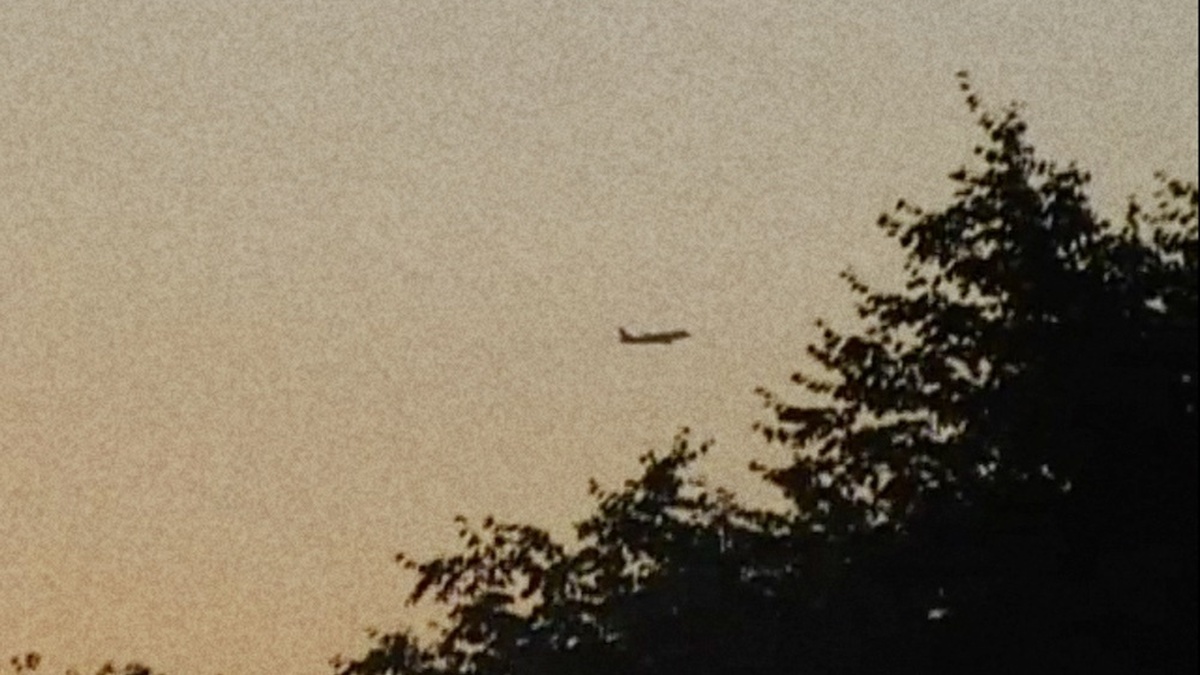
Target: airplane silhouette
[{"x": 653, "y": 338}]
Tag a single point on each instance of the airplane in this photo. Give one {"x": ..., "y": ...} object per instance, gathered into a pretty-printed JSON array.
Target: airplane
[{"x": 653, "y": 338}]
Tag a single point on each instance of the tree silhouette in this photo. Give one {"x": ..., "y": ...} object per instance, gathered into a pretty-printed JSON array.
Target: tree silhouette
[
  {"x": 1022, "y": 419},
  {"x": 657, "y": 554},
  {"x": 30, "y": 662},
  {"x": 995, "y": 472}
]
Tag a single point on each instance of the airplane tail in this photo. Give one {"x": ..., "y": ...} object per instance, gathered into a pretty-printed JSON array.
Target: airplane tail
[{"x": 625, "y": 337}]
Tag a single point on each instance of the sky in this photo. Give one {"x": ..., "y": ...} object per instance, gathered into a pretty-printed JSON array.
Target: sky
[{"x": 286, "y": 286}]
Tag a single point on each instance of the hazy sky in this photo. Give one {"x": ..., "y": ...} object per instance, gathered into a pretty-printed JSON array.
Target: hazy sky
[{"x": 284, "y": 286}]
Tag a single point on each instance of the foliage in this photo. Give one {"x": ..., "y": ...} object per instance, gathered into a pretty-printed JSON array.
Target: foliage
[
  {"x": 1024, "y": 413},
  {"x": 997, "y": 473},
  {"x": 29, "y": 662},
  {"x": 618, "y": 602}
]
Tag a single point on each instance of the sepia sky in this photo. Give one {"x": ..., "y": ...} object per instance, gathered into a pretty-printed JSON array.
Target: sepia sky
[{"x": 285, "y": 286}]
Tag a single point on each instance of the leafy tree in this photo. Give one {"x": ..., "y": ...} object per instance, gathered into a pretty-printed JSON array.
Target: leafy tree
[
  {"x": 29, "y": 662},
  {"x": 1023, "y": 416},
  {"x": 661, "y": 581},
  {"x": 996, "y": 473}
]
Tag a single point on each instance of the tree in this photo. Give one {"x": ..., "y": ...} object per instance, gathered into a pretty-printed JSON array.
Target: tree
[
  {"x": 1022, "y": 417},
  {"x": 29, "y": 662},
  {"x": 666, "y": 576},
  {"x": 997, "y": 473},
  {"x": 660, "y": 581}
]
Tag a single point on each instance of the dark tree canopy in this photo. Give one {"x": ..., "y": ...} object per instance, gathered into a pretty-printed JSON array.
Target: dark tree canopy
[
  {"x": 30, "y": 662},
  {"x": 997, "y": 473},
  {"x": 1022, "y": 416}
]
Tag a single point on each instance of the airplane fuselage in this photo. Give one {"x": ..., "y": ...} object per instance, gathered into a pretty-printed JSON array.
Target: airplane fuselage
[{"x": 652, "y": 338}]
